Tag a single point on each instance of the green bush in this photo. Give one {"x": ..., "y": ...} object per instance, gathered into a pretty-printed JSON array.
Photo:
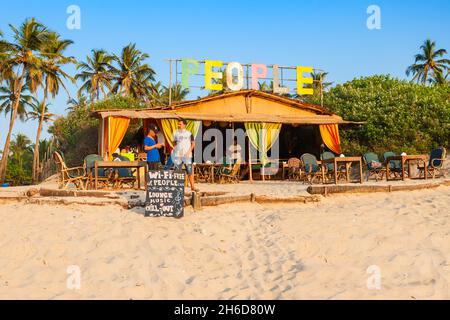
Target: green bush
[{"x": 401, "y": 116}]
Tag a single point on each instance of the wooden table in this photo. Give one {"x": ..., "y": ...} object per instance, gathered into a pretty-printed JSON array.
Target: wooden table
[
  {"x": 403, "y": 160},
  {"x": 206, "y": 170},
  {"x": 121, "y": 164},
  {"x": 347, "y": 161}
]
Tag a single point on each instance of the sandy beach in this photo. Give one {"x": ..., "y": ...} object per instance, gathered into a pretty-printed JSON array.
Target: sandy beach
[{"x": 291, "y": 251}]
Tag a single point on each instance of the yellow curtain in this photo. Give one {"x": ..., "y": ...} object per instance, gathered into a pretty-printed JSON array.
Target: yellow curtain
[
  {"x": 169, "y": 126},
  {"x": 117, "y": 127},
  {"x": 263, "y": 136},
  {"x": 330, "y": 136}
]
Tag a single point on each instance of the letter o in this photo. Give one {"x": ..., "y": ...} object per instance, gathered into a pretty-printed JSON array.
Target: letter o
[{"x": 240, "y": 76}]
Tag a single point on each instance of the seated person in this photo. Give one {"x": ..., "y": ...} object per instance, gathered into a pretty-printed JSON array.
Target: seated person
[{"x": 127, "y": 153}]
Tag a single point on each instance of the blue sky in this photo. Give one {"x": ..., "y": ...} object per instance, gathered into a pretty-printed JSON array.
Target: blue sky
[{"x": 327, "y": 34}]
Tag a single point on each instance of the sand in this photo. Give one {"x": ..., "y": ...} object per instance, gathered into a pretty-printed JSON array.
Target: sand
[{"x": 240, "y": 251}]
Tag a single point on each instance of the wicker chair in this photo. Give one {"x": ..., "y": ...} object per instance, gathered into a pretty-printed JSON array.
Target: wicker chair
[
  {"x": 232, "y": 175},
  {"x": 311, "y": 168},
  {"x": 294, "y": 169}
]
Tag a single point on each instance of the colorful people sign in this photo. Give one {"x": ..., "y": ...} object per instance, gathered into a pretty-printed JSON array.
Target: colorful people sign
[{"x": 234, "y": 73}]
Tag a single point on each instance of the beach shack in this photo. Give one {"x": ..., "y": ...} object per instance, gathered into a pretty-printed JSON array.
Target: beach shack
[{"x": 298, "y": 127}]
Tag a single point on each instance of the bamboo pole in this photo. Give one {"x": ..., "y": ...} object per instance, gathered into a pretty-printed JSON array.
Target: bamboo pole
[
  {"x": 101, "y": 142},
  {"x": 262, "y": 146},
  {"x": 176, "y": 72},
  {"x": 109, "y": 138},
  {"x": 170, "y": 83},
  {"x": 250, "y": 171},
  {"x": 321, "y": 90}
]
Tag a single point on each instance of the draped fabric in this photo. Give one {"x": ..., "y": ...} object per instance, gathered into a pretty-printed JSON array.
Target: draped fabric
[
  {"x": 169, "y": 126},
  {"x": 117, "y": 128},
  {"x": 330, "y": 136},
  {"x": 262, "y": 136}
]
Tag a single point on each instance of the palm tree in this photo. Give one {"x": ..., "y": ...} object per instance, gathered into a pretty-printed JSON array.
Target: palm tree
[
  {"x": 39, "y": 111},
  {"x": 428, "y": 63},
  {"x": 36, "y": 112},
  {"x": 95, "y": 74},
  {"x": 438, "y": 79},
  {"x": 143, "y": 88},
  {"x": 160, "y": 94},
  {"x": 131, "y": 74},
  {"x": 52, "y": 52},
  {"x": 8, "y": 96},
  {"x": 263, "y": 86},
  {"x": 44, "y": 145},
  {"x": 319, "y": 82},
  {"x": 319, "y": 86},
  {"x": 178, "y": 93},
  {"x": 155, "y": 97},
  {"x": 77, "y": 104},
  {"x": 19, "y": 147},
  {"x": 20, "y": 160},
  {"x": 20, "y": 57}
]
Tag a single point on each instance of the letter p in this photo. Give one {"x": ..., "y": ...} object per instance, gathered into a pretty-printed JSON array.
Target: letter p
[
  {"x": 258, "y": 71},
  {"x": 189, "y": 67}
]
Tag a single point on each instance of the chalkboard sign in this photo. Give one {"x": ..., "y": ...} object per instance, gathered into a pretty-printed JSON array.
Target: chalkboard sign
[{"x": 165, "y": 194}]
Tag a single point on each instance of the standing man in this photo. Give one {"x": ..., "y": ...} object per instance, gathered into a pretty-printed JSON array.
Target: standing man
[
  {"x": 150, "y": 145},
  {"x": 182, "y": 152}
]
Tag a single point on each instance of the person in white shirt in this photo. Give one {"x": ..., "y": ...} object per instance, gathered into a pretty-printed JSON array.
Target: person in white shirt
[{"x": 184, "y": 144}]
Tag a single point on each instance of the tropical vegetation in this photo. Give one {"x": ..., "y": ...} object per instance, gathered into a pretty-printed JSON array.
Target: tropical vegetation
[{"x": 400, "y": 115}]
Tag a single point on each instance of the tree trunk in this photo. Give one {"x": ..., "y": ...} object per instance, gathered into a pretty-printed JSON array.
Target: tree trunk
[
  {"x": 4, "y": 162},
  {"x": 35, "y": 174}
]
